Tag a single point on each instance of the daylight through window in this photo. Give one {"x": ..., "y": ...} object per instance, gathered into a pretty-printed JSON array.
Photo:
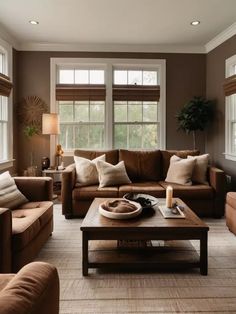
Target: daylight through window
[
  {"x": 230, "y": 108},
  {"x": 4, "y": 121},
  {"x": 111, "y": 105}
]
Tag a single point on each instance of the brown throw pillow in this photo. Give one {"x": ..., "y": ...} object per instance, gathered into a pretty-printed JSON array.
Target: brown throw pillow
[
  {"x": 110, "y": 175},
  {"x": 200, "y": 168},
  {"x": 180, "y": 170}
]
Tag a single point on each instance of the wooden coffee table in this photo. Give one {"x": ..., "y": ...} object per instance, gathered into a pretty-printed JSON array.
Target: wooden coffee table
[{"x": 144, "y": 227}]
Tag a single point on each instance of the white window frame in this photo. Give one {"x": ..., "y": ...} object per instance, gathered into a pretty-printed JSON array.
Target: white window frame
[
  {"x": 140, "y": 67},
  {"x": 229, "y": 70},
  {"x": 6, "y": 49},
  {"x": 108, "y": 65}
]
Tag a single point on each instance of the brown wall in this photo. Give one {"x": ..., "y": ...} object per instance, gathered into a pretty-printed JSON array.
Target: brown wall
[
  {"x": 185, "y": 78},
  {"x": 215, "y": 143}
]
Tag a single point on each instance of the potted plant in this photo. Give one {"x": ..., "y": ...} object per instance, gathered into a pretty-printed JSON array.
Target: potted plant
[{"x": 195, "y": 115}]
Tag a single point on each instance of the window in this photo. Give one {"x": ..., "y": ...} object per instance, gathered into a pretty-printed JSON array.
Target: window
[
  {"x": 3, "y": 128},
  {"x": 5, "y": 107},
  {"x": 109, "y": 103},
  {"x": 230, "y": 109},
  {"x": 81, "y": 105},
  {"x": 136, "y": 118}
]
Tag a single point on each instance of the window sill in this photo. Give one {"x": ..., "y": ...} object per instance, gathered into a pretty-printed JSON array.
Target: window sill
[
  {"x": 6, "y": 164},
  {"x": 230, "y": 156}
]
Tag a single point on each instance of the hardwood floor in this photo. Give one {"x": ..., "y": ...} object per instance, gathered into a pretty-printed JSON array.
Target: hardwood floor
[{"x": 158, "y": 292}]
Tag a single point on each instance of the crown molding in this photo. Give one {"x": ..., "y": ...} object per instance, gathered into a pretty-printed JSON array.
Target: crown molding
[
  {"x": 148, "y": 48},
  {"x": 221, "y": 37},
  {"x": 7, "y": 37},
  {"x": 112, "y": 48}
]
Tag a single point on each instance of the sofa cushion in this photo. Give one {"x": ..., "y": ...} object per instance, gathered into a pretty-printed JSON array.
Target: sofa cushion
[
  {"x": 27, "y": 222},
  {"x": 92, "y": 191},
  {"x": 180, "y": 170},
  {"x": 167, "y": 154},
  {"x": 142, "y": 165},
  {"x": 152, "y": 188},
  {"x": 10, "y": 196},
  {"x": 194, "y": 192},
  {"x": 200, "y": 168},
  {"x": 86, "y": 170},
  {"x": 111, "y": 155},
  {"x": 110, "y": 175}
]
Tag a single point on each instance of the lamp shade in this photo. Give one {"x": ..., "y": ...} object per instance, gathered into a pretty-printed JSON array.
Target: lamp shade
[{"x": 50, "y": 123}]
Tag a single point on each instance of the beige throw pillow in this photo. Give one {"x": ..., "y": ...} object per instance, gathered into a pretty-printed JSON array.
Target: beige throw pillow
[
  {"x": 10, "y": 196},
  {"x": 111, "y": 174},
  {"x": 200, "y": 168},
  {"x": 86, "y": 170},
  {"x": 180, "y": 170}
]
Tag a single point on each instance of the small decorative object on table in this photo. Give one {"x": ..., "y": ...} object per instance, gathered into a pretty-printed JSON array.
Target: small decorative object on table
[
  {"x": 169, "y": 196},
  {"x": 145, "y": 200},
  {"x": 120, "y": 209},
  {"x": 176, "y": 211},
  {"x": 59, "y": 154},
  {"x": 45, "y": 163}
]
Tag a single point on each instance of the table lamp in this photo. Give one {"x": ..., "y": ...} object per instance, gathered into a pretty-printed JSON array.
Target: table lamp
[{"x": 50, "y": 126}]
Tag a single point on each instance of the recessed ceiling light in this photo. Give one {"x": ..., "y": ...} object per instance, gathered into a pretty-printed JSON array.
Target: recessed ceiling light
[
  {"x": 194, "y": 23},
  {"x": 33, "y": 22}
]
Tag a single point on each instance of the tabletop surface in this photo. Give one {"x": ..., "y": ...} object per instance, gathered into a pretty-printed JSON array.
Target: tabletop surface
[{"x": 149, "y": 218}]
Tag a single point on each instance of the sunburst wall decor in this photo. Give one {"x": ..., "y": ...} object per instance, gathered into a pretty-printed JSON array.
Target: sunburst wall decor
[{"x": 30, "y": 111}]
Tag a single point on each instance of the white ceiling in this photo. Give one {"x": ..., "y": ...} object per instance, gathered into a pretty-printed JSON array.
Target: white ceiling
[{"x": 118, "y": 22}]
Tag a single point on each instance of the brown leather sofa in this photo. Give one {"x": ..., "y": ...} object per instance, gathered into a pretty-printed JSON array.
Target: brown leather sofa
[
  {"x": 34, "y": 289},
  {"x": 23, "y": 231},
  {"x": 147, "y": 171}
]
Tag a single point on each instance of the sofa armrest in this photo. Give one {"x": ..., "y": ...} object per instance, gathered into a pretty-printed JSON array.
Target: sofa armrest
[
  {"x": 67, "y": 185},
  {"x": 35, "y": 188},
  {"x": 34, "y": 289},
  {"x": 5, "y": 240},
  {"x": 217, "y": 180}
]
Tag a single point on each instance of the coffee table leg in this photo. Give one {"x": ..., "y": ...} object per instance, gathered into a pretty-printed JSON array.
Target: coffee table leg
[
  {"x": 85, "y": 253},
  {"x": 203, "y": 254}
]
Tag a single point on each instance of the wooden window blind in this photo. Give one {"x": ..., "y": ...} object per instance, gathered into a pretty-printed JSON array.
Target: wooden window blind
[
  {"x": 5, "y": 85},
  {"x": 80, "y": 92},
  {"x": 136, "y": 92},
  {"x": 230, "y": 85}
]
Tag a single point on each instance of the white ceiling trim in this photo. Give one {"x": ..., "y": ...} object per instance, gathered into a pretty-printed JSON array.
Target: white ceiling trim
[
  {"x": 30, "y": 46},
  {"x": 112, "y": 48},
  {"x": 220, "y": 38}
]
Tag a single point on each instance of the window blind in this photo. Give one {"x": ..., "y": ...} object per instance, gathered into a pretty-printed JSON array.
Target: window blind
[
  {"x": 136, "y": 92},
  {"x": 5, "y": 85},
  {"x": 80, "y": 92},
  {"x": 230, "y": 85}
]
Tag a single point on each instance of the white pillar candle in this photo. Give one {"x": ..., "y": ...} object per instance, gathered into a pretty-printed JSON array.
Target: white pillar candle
[{"x": 169, "y": 195}]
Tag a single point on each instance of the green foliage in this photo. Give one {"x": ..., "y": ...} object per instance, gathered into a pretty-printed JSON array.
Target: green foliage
[
  {"x": 196, "y": 114},
  {"x": 30, "y": 130}
]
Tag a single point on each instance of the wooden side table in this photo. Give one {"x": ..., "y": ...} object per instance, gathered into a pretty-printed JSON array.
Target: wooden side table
[{"x": 56, "y": 183}]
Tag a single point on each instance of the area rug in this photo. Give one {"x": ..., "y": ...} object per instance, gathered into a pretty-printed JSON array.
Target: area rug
[{"x": 170, "y": 292}]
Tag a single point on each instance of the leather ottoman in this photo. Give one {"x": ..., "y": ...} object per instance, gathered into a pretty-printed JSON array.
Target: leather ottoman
[{"x": 230, "y": 211}]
